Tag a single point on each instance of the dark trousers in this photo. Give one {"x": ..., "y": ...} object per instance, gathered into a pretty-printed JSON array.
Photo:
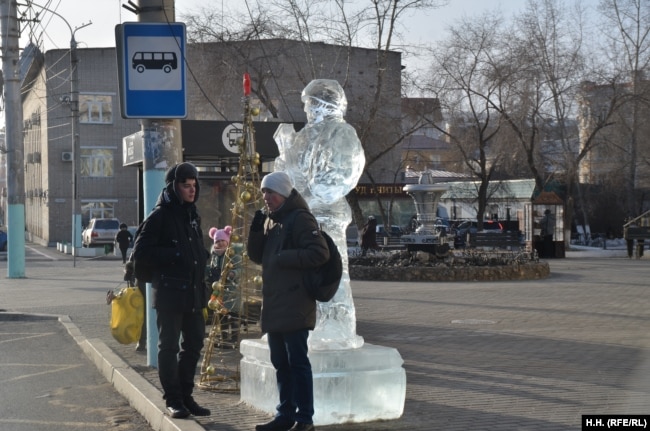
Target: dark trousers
[
  {"x": 630, "y": 248},
  {"x": 177, "y": 366},
  {"x": 548, "y": 246},
  {"x": 293, "y": 374},
  {"x": 123, "y": 251}
]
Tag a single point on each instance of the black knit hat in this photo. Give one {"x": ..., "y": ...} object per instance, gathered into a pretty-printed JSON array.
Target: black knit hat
[{"x": 181, "y": 172}]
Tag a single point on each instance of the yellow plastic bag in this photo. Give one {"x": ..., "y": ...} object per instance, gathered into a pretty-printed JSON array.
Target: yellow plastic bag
[{"x": 127, "y": 315}]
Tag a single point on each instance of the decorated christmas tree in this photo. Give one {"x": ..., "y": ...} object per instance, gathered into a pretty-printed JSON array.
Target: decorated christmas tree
[{"x": 235, "y": 303}]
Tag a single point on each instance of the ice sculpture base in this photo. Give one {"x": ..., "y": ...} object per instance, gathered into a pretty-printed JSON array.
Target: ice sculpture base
[{"x": 350, "y": 385}]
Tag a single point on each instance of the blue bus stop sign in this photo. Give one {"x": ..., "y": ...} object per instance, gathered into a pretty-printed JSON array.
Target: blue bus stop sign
[{"x": 151, "y": 62}]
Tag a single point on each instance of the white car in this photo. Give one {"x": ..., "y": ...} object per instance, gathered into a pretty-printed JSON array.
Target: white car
[
  {"x": 352, "y": 235},
  {"x": 100, "y": 231}
]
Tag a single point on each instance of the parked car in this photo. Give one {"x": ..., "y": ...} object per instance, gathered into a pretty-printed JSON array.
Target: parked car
[
  {"x": 3, "y": 240},
  {"x": 467, "y": 227},
  {"x": 442, "y": 227},
  {"x": 100, "y": 231},
  {"x": 395, "y": 231},
  {"x": 352, "y": 235}
]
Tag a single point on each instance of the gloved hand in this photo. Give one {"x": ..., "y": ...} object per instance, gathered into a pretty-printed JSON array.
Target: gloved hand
[{"x": 257, "y": 225}]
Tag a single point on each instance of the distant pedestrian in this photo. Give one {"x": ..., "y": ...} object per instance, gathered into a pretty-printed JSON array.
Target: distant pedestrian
[
  {"x": 547, "y": 224},
  {"x": 123, "y": 240},
  {"x": 414, "y": 224},
  {"x": 640, "y": 245},
  {"x": 629, "y": 241},
  {"x": 369, "y": 236}
]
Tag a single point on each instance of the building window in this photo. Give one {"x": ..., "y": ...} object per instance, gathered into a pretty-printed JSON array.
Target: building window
[
  {"x": 96, "y": 209},
  {"x": 96, "y": 108},
  {"x": 96, "y": 162}
]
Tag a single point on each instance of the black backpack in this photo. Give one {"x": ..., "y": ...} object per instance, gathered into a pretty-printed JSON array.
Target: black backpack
[
  {"x": 322, "y": 282},
  {"x": 143, "y": 272}
]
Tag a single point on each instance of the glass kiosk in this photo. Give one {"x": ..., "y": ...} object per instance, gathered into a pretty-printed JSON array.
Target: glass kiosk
[{"x": 544, "y": 225}]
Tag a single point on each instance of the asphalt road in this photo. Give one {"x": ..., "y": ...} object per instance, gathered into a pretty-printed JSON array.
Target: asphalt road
[{"x": 46, "y": 381}]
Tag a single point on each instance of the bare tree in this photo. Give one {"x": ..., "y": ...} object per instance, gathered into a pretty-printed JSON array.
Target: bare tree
[
  {"x": 542, "y": 72},
  {"x": 548, "y": 42},
  {"x": 629, "y": 38},
  {"x": 374, "y": 24},
  {"x": 463, "y": 79}
]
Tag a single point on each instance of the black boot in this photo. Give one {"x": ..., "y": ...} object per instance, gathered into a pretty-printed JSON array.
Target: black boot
[
  {"x": 177, "y": 410},
  {"x": 195, "y": 408},
  {"x": 277, "y": 424}
]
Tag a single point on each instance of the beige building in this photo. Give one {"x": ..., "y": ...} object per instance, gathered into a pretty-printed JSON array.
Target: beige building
[
  {"x": 621, "y": 146},
  {"x": 106, "y": 189}
]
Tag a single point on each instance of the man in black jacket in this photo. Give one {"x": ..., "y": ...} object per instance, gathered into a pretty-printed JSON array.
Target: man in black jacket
[
  {"x": 287, "y": 244},
  {"x": 171, "y": 242}
]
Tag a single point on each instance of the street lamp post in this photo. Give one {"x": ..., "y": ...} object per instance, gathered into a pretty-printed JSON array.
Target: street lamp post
[{"x": 74, "y": 107}]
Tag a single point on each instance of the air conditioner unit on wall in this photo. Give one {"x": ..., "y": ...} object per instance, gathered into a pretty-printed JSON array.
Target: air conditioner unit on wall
[{"x": 66, "y": 156}]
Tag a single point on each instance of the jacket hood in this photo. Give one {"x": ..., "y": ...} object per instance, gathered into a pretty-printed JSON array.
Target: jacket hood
[
  {"x": 178, "y": 174},
  {"x": 294, "y": 201}
]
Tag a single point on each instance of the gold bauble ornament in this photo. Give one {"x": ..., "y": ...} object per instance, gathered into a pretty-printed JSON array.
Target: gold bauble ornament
[
  {"x": 257, "y": 280},
  {"x": 235, "y": 237},
  {"x": 217, "y": 287},
  {"x": 246, "y": 196},
  {"x": 210, "y": 370},
  {"x": 239, "y": 141},
  {"x": 255, "y": 112}
]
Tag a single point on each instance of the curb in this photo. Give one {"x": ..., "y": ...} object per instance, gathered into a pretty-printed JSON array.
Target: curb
[{"x": 128, "y": 383}]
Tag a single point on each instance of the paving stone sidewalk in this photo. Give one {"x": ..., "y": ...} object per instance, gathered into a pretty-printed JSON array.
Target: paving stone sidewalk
[{"x": 533, "y": 355}]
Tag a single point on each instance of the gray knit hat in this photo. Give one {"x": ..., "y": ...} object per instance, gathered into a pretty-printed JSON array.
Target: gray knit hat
[{"x": 279, "y": 182}]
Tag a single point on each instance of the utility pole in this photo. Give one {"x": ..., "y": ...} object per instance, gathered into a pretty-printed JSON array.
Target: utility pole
[
  {"x": 74, "y": 106},
  {"x": 14, "y": 141}
]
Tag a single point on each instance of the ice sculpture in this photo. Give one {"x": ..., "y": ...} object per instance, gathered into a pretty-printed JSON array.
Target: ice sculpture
[
  {"x": 325, "y": 160},
  {"x": 353, "y": 381}
]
